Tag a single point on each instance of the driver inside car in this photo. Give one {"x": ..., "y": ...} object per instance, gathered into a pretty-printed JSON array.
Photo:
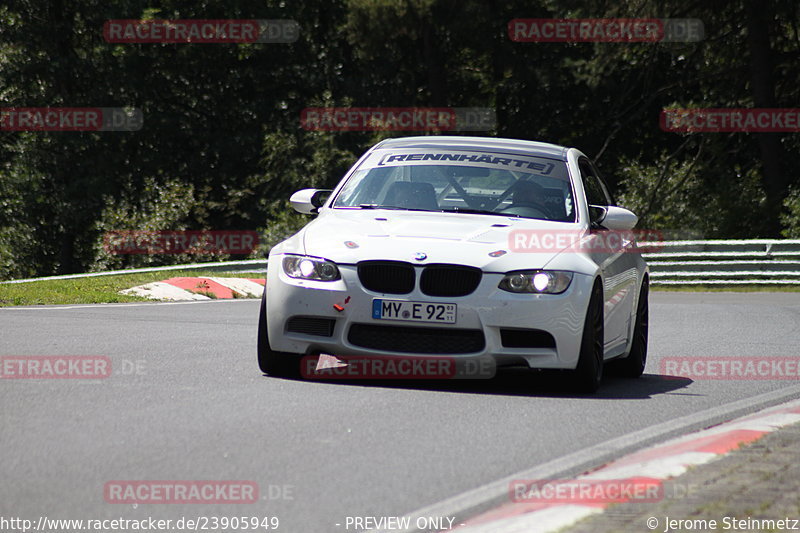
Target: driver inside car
[{"x": 529, "y": 194}]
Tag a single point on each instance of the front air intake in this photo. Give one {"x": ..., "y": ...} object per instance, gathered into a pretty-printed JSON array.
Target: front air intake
[{"x": 310, "y": 325}]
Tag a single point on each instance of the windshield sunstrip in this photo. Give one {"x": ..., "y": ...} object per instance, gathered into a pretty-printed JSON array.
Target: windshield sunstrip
[{"x": 505, "y": 162}]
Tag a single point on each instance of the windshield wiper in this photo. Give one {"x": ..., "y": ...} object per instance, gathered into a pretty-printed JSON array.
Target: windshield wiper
[
  {"x": 471, "y": 211},
  {"x": 378, "y": 206},
  {"x": 393, "y": 207}
]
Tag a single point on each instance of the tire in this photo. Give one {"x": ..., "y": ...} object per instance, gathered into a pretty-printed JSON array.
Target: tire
[
  {"x": 589, "y": 372},
  {"x": 633, "y": 365},
  {"x": 278, "y": 364}
]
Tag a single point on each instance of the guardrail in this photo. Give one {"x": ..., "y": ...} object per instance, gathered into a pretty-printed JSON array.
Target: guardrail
[
  {"x": 248, "y": 265},
  {"x": 714, "y": 262},
  {"x": 726, "y": 262}
]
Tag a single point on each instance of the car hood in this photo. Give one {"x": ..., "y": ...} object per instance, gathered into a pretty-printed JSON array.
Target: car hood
[{"x": 348, "y": 236}]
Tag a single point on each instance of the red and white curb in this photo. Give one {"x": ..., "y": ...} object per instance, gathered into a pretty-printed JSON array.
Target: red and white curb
[
  {"x": 655, "y": 465},
  {"x": 180, "y": 289}
]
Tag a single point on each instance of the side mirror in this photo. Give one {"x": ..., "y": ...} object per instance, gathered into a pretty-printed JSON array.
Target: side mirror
[
  {"x": 612, "y": 217},
  {"x": 308, "y": 201}
]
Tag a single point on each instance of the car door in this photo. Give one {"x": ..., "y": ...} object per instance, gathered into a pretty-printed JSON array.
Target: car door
[{"x": 618, "y": 267}]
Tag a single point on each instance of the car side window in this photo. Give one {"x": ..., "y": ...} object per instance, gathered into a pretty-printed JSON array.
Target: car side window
[{"x": 596, "y": 193}]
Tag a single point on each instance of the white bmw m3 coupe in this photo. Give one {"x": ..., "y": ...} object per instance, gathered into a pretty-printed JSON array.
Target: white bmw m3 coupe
[{"x": 461, "y": 247}]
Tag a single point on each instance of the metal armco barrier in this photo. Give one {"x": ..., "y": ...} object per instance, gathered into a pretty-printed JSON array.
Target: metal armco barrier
[
  {"x": 726, "y": 262},
  {"x": 716, "y": 262}
]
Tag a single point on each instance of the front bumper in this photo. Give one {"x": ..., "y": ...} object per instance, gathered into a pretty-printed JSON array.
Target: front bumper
[{"x": 307, "y": 317}]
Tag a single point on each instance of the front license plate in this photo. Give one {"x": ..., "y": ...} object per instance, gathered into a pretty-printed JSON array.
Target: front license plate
[{"x": 414, "y": 311}]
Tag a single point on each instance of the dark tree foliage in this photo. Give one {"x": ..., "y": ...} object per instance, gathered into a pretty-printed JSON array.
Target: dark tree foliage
[{"x": 222, "y": 146}]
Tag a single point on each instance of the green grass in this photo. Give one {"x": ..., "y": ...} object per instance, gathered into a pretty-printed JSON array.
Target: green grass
[
  {"x": 99, "y": 289},
  {"x": 105, "y": 289}
]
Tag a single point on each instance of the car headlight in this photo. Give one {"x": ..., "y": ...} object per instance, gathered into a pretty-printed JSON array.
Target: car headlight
[
  {"x": 536, "y": 281},
  {"x": 302, "y": 267}
]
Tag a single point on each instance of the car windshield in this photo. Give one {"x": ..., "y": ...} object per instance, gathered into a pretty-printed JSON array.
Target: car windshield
[{"x": 461, "y": 181}]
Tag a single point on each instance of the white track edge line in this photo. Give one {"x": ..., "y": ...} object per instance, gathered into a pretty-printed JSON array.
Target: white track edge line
[{"x": 474, "y": 501}]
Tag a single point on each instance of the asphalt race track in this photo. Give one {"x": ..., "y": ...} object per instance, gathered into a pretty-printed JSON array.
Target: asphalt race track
[{"x": 186, "y": 401}]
